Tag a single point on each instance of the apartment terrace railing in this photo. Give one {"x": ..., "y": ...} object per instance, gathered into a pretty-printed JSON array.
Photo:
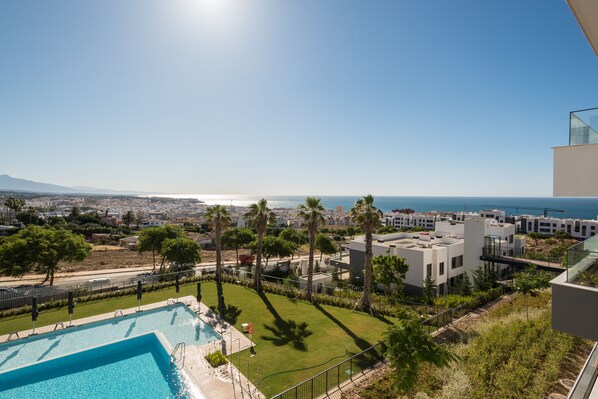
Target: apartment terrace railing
[
  {"x": 587, "y": 377},
  {"x": 582, "y": 261},
  {"x": 583, "y": 127}
]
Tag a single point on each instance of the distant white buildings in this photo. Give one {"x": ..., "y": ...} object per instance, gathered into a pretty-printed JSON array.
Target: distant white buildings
[
  {"x": 578, "y": 228},
  {"x": 453, "y": 248},
  {"x": 410, "y": 220}
]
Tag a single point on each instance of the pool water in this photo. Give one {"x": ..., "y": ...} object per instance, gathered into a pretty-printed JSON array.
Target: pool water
[
  {"x": 177, "y": 323},
  {"x": 133, "y": 368}
]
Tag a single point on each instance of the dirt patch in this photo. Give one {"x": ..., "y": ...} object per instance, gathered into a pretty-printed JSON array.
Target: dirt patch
[{"x": 112, "y": 257}]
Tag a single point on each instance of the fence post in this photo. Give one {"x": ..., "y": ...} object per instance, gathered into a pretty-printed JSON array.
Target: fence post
[
  {"x": 351, "y": 368},
  {"x": 296, "y": 388},
  {"x": 312, "y": 388},
  {"x": 338, "y": 375},
  {"x": 326, "y": 382}
]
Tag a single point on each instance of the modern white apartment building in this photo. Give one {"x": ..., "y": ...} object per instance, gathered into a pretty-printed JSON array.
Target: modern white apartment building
[
  {"x": 574, "y": 292},
  {"x": 578, "y": 228},
  {"x": 496, "y": 214},
  {"x": 441, "y": 257},
  {"x": 453, "y": 248},
  {"x": 411, "y": 220}
]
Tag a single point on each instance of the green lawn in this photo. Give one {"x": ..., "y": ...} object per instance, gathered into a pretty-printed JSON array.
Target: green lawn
[{"x": 289, "y": 335}]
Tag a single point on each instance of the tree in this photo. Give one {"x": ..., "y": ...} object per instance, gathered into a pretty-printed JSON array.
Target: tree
[
  {"x": 151, "y": 238},
  {"x": 368, "y": 217},
  {"x": 40, "y": 250},
  {"x": 408, "y": 347},
  {"x": 237, "y": 238},
  {"x": 312, "y": 214},
  {"x": 273, "y": 247},
  {"x": 260, "y": 216},
  {"x": 15, "y": 204},
  {"x": 484, "y": 278},
  {"x": 536, "y": 236},
  {"x": 390, "y": 270},
  {"x": 294, "y": 236},
  {"x": 30, "y": 216},
  {"x": 530, "y": 282},
  {"x": 562, "y": 236},
  {"x": 429, "y": 289},
  {"x": 463, "y": 285},
  {"x": 325, "y": 245},
  {"x": 218, "y": 218},
  {"x": 181, "y": 251},
  {"x": 128, "y": 218}
]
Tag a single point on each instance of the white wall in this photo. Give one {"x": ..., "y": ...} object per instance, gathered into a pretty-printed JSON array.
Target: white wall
[{"x": 576, "y": 171}]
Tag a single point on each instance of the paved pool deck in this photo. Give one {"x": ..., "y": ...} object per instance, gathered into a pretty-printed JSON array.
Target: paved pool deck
[{"x": 223, "y": 382}]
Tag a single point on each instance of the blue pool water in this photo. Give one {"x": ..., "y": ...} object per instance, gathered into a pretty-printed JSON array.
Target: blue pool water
[
  {"x": 133, "y": 368},
  {"x": 177, "y": 323}
]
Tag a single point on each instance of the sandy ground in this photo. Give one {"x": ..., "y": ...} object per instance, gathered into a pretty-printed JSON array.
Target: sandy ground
[{"x": 111, "y": 256}]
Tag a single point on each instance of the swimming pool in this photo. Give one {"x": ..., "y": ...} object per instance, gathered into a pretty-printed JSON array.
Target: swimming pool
[
  {"x": 177, "y": 323},
  {"x": 132, "y": 368}
]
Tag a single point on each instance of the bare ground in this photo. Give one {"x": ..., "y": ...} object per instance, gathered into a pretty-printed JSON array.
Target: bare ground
[{"x": 112, "y": 257}]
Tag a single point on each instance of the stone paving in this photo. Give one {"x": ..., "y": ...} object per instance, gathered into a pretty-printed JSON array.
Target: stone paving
[{"x": 223, "y": 382}]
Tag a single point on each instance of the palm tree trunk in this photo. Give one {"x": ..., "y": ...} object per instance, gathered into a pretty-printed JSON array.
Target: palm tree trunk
[
  {"x": 258, "y": 261},
  {"x": 154, "y": 259},
  {"x": 218, "y": 254},
  {"x": 367, "y": 281},
  {"x": 51, "y": 277},
  {"x": 310, "y": 264},
  {"x": 237, "y": 252}
]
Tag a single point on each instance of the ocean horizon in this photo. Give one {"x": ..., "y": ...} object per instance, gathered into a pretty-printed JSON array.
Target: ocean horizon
[{"x": 574, "y": 208}]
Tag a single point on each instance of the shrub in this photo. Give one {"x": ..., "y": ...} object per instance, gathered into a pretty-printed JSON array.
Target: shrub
[{"x": 216, "y": 359}]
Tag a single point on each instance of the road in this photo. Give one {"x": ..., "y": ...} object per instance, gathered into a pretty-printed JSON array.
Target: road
[{"x": 116, "y": 276}]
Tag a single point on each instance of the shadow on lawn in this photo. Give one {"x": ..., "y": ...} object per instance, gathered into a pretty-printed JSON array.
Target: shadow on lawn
[
  {"x": 360, "y": 342},
  {"x": 285, "y": 331},
  {"x": 231, "y": 313}
]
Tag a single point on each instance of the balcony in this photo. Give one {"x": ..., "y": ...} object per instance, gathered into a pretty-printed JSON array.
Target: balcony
[
  {"x": 576, "y": 165},
  {"x": 575, "y": 292}
]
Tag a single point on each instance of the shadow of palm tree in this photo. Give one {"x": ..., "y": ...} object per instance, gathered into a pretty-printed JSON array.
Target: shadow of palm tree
[
  {"x": 230, "y": 314},
  {"x": 285, "y": 331},
  {"x": 288, "y": 331}
]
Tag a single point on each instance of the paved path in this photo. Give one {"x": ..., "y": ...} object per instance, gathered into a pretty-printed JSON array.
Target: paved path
[{"x": 224, "y": 382}]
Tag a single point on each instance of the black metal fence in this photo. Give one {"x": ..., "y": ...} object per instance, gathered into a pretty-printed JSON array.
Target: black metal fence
[
  {"x": 22, "y": 296},
  {"x": 333, "y": 377}
]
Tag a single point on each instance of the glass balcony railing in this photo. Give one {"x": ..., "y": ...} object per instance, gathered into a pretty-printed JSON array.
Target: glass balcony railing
[
  {"x": 583, "y": 127},
  {"x": 582, "y": 263},
  {"x": 587, "y": 378}
]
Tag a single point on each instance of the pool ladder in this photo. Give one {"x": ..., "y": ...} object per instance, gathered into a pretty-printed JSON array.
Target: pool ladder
[
  {"x": 16, "y": 333},
  {"x": 119, "y": 312},
  {"x": 180, "y": 347},
  {"x": 61, "y": 324}
]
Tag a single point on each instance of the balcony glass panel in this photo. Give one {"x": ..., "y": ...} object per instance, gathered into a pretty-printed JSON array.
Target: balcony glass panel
[
  {"x": 583, "y": 127},
  {"x": 587, "y": 378},
  {"x": 582, "y": 261}
]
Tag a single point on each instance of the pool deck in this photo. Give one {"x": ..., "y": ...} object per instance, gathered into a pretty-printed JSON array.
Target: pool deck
[{"x": 224, "y": 382}]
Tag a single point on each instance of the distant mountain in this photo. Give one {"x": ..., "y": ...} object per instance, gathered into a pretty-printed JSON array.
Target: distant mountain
[{"x": 8, "y": 183}]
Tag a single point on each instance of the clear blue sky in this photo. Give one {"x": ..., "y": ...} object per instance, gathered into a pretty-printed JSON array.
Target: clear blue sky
[{"x": 291, "y": 97}]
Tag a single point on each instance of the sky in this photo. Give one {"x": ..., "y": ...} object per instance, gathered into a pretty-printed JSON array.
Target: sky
[{"x": 280, "y": 97}]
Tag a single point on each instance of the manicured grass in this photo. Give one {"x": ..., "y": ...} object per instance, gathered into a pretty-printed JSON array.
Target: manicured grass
[{"x": 289, "y": 335}]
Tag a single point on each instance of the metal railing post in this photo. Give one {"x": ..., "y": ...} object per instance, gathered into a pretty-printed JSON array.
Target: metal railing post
[{"x": 351, "y": 368}]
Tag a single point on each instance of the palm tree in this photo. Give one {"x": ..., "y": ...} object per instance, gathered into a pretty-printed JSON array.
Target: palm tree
[
  {"x": 312, "y": 213},
  {"x": 260, "y": 216},
  {"x": 15, "y": 204},
  {"x": 218, "y": 218},
  {"x": 128, "y": 218},
  {"x": 367, "y": 216}
]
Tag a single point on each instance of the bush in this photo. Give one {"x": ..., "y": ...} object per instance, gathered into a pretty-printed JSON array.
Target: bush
[{"x": 216, "y": 359}]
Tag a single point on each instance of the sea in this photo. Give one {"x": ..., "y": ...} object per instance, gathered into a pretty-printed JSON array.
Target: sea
[{"x": 573, "y": 208}]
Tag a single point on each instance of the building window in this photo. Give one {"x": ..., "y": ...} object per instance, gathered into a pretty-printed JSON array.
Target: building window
[
  {"x": 456, "y": 262},
  {"x": 441, "y": 269},
  {"x": 429, "y": 269}
]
